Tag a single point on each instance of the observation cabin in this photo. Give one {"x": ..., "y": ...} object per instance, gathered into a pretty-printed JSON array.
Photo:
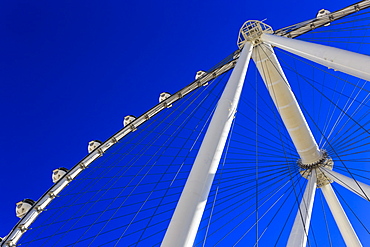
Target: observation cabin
[
  {"x": 23, "y": 207},
  {"x": 93, "y": 145}
]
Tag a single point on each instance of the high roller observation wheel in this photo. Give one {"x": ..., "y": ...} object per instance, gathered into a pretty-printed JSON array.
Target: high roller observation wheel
[{"x": 24, "y": 224}]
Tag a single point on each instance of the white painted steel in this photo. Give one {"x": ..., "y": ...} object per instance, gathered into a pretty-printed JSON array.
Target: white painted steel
[
  {"x": 357, "y": 187},
  {"x": 189, "y": 210},
  {"x": 340, "y": 217},
  {"x": 298, "y": 234},
  {"x": 286, "y": 103},
  {"x": 334, "y": 58}
]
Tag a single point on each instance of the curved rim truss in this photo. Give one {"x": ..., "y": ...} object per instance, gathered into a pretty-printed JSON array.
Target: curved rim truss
[
  {"x": 298, "y": 29},
  {"x": 24, "y": 224}
]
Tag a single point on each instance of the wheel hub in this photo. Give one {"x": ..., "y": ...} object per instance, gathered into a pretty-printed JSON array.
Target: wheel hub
[{"x": 326, "y": 162}]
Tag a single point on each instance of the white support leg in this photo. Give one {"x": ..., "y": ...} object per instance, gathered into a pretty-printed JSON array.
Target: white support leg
[
  {"x": 345, "y": 227},
  {"x": 299, "y": 232},
  {"x": 189, "y": 210},
  {"x": 286, "y": 103},
  {"x": 345, "y": 61},
  {"x": 357, "y": 187}
]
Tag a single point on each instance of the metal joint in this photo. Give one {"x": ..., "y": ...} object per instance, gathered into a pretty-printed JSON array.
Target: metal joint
[
  {"x": 69, "y": 178},
  {"x": 22, "y": 227},
  {"x": 10, "y": 243},
  {"x": 100, "y": 151},
  {"x": 39, "y": 209},
  {"x": 133, "y": 128},
  {"x": 52, "y": 195},
  {"x": 83, "y": 165},
  {"x": 326, "y": 161}
]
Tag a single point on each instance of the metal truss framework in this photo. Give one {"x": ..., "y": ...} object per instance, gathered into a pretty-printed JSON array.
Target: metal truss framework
[{"x": 298, "y": 29}]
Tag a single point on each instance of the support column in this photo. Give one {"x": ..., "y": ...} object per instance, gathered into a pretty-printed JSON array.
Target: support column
[
  {"x": 357, "y": 187},
  {"x": 345, "y": 227},
  {"x": 189, "y": 210},
  {"x": 299, "y": 232},
  {"x": 286, "y": 103},
  {"x": 351, "y": 63}
]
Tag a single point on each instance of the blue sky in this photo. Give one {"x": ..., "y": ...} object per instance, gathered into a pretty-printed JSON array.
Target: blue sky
[{"x": 70, "y": 71}]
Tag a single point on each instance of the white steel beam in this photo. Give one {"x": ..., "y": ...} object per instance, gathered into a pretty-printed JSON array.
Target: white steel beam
[
  {"x": 334, "y": 58},
  {"x": 340, "y": 217},
  {"x": 351, "y": 184},
  {"x": 286, "y": 103},
  {"x": 299, "y": 232},
  {"x": 189, "y": 210}
]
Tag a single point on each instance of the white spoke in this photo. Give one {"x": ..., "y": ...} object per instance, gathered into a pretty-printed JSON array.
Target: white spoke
[
  {"x": 299, "y": 233},
  {"x": 345, "y": 61},
  {"x": 351, "y": 184},
  {"x": 345, "y": 227},
  {"x": 189, "y": 210}
]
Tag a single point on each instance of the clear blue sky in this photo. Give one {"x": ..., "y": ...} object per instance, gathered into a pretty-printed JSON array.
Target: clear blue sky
[{"x": 71, "y": 70}]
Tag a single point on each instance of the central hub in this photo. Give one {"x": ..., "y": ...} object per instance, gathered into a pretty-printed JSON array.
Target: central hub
[
  {"x": 251, "y": 31},
  {"x": 325, "y": 162}
]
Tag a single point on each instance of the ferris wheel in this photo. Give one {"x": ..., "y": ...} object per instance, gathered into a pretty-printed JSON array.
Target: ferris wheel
[{"x": 226, "y": 162}]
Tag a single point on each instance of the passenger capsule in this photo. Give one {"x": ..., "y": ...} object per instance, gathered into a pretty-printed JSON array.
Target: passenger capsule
[
  {"x": 128, "y": 119},
  {"x": 163, "y": 96},
  {"x": 200, "y": 74},
  {"x": 23, "y": 207},
  {"x": 93, "y": 145},
  {"x": 58, "y": 174},
  {"x": 322, "y": 13}
]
